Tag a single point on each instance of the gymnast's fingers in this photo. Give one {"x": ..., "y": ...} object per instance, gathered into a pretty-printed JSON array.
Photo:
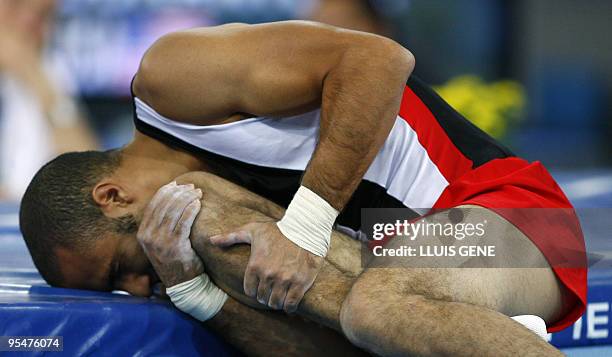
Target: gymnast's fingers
[
  {"x": 251, "y": 281},
  {"x": 264, "y": 290},
  {"x": 294, "y": 296},
  {"x": 183, "y": 228},
  {"x": 148, "y": 231},
  {"x": 170, "y": 197},
  {"x": 279, "y": 293},
  {"x": 177, "y": 208},
  {"x": 157, "y": 206}
]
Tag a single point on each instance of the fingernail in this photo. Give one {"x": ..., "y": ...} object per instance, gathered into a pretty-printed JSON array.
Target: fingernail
[
  {"x": 199, "y": 191},
  {"x": 191, "y": 186},
  {"x": 173, "y": 183}
]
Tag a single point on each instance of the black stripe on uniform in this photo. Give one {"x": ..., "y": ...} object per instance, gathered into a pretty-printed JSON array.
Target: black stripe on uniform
[{"x": 474, "y": 143}]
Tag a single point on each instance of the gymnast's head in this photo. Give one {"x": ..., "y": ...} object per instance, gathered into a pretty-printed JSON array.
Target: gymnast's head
[{"x": 79, "y": 218}]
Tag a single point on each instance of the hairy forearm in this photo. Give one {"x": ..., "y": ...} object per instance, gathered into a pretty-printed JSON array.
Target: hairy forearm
[
  {"x": 360, "y": 101},
  {"x": 226, "y": 267}
]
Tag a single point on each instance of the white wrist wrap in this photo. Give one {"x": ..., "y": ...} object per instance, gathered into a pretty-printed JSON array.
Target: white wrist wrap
[
  {"x": 198, "y": 297},
  {"x": 308, "y": 222}
]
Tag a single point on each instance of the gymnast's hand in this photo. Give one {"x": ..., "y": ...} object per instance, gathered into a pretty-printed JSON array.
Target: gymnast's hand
[
  {"x": 164, "y": 233},
  {"x": 279, "y": 272}
]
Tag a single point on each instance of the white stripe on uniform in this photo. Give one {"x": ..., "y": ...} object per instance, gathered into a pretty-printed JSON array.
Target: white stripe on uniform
[{"x": 402, "y": 166}]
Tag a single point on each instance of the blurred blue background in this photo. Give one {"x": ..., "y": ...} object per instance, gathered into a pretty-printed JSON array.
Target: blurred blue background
[{"x": 534, "y": 74}]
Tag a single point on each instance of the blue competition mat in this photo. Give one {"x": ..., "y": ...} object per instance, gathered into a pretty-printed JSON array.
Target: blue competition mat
[{"x": 121, "y": 325}]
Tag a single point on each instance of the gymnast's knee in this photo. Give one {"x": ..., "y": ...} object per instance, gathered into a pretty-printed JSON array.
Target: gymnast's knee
[{"x": 367, "y": 312}]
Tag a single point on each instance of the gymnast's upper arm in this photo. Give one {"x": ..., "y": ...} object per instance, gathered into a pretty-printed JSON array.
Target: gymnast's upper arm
[
  {"x": 229, "y": 206},
  {"x": 202, "y": 76}
]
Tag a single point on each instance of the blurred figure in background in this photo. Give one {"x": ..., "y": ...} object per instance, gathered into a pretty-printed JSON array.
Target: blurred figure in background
[
  {"x": 38, "y": 118},
  {"x": 358, "y": 15}
]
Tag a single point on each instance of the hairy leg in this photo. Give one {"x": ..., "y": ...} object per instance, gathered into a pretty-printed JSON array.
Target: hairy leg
[
  {"x": 417, "y": 326},
  {"x": 271, "y": 333},
  {"x": 454, "y": 311}
]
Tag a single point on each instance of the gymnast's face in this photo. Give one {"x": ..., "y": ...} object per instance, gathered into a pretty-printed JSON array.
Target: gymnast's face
[
  {"x": 112, "y": 263},
  {"x": 117, "y": 261}
]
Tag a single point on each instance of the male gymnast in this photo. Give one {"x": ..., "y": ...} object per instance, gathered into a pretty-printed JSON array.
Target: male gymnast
[{"x": 306, "y": 116}]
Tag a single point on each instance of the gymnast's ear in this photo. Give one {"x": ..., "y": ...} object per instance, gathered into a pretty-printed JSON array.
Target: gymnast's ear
[{"x": 112, "y": 198}]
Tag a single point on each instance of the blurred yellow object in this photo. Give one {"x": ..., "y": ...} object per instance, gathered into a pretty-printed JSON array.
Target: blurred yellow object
[{"x": 493, "y": 107}]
